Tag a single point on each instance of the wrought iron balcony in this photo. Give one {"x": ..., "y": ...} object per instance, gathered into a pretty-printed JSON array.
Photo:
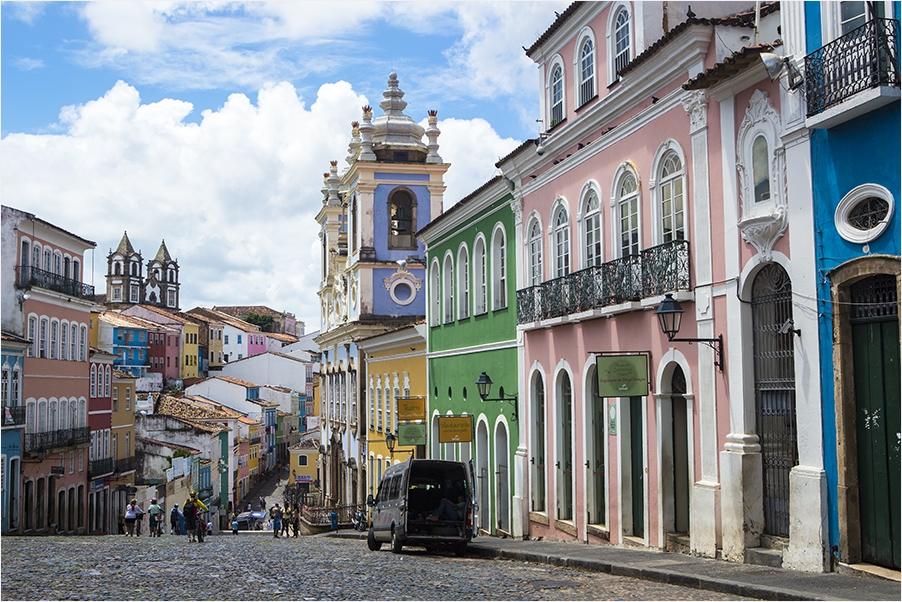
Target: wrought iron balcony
[
  {"x": 103, "y": 466},
  {"x": 655, "y": 271},
  {"x": 54, "y": 439},
  {"x": 126, "y": 464},
  {"x": 33, "y": 277},
  {"x": 863, "y": 58},
  {"x": 13, "y": 415},
  {"x": 255, "y": 440}
]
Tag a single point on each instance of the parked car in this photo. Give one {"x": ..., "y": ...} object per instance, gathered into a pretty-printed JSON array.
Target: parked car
[
  {"x": 251, "y": 521},
  {"x": 408, "y": 509}
]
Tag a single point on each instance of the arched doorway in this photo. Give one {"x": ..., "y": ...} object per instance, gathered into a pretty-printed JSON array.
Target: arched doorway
[
  {"x": 682, "y": 473},
  {"x": 564, "y": 462},
  {"x": 537, "y": 461},
  {"x": 502, "y": 479},
  {"x": 874, "y": 323},
  {"x": 597, "y": 442},
  {"x": 775, "y": 400},
  {"x": 483, "y": 478}
]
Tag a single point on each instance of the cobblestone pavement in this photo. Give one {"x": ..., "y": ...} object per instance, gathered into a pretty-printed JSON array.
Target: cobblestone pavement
[{"x": 253, "y": 566}]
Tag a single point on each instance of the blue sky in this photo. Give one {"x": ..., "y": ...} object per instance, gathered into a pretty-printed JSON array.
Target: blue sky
[{"x": 210, "y": 124}]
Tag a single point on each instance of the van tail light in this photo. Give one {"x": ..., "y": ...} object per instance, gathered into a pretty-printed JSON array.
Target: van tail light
[{"x": 469, "y": 517}]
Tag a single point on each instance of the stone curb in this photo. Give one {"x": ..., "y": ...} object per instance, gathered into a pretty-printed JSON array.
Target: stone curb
[{"x": 723, "y": 586}]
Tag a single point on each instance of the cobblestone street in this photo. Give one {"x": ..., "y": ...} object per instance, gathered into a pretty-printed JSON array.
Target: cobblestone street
[{"x": 260, "y": 567}]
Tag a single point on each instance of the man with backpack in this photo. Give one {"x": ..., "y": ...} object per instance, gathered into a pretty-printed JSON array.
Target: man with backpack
[
  {"x": 175, "y": 520},
  {"x": 192, "y": 509},
  {"x": 156, "y": 518}
]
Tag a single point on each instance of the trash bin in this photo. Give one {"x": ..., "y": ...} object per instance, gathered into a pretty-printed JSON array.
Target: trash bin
[{"x": 333, "y": 517}]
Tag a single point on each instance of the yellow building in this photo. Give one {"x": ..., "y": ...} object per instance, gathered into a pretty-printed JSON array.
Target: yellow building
[
  {"x": 253, "y": 452},
  {"x": 304, "y": 466},
  {"x": 396, "y": 382},
  {"x": 122, "y": 440}
]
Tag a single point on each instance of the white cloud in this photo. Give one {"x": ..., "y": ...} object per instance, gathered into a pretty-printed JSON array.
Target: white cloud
[
  {"x": 26, "y": 12},
  {"x": 28, "y": 64},
  {"x": 234, "y": 196}
]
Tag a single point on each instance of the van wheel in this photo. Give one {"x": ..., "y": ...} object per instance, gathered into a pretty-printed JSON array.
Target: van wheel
[
  {"x": 396, "y": 544},
  {"x": 371, "y": 542}
]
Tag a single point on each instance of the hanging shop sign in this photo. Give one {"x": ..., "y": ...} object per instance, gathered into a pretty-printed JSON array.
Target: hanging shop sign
[
  {"x": 455, "y": 429},
  {"x": 622, "y": 375},
  {"x": 411, "y": 408},
  {"x": 412, "y": 434}
]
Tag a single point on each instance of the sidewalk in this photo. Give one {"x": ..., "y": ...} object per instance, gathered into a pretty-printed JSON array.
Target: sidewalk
[{"x": 749, "y": 580}]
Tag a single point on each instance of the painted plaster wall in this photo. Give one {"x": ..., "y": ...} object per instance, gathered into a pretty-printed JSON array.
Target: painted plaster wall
[{"x": 270, "y": 369}]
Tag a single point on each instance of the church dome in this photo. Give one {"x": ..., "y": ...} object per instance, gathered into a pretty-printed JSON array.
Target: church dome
[{"x": 394, "y": 128}]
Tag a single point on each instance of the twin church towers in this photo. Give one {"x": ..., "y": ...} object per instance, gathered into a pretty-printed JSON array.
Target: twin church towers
[{"x": 126, "y": 283}]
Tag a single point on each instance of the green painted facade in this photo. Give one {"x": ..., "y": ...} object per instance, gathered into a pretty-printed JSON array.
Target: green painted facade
[{"x": 461, "y": 348}]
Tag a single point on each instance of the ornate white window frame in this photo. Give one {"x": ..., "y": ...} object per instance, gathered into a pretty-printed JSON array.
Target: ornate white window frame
[
  {"x": 582, "y": 215},
  {"x": 625, "y": 168},
  {"x": 850, "y": 201},
  {"x": 762, "y": 223},
  {"x": 655, "y": 184},
  {"x": 534, "y": 221},
  {"x": 585, "y": 35}
]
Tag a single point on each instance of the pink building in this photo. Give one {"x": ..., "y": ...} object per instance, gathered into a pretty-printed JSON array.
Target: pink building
[{"x": 662, "y": 132}]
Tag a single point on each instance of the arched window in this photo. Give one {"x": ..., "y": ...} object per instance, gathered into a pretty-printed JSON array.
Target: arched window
[
  {"x": 448, "y": 289},
  {"x": 586, "y": 71},
  {"x": 534, "y": 248},
  {"x": 64, "y": 422},
  {"x": 48, "y": 260},
  {"x": 73, "y": 341},
  {"x": 435, "y": 296},
  {"x": 592, "y": 229},
  {"x": 561, "y": 236},
  {"x": 36, "y": 255},
  {"x": 557, "y": 95},
  {"x": 672, "y": 200},
  {"x": 628, "y": 214},
  {"x": 106, "y": 388},
  {"x": 352, "y": 217},
  {"x": 53, "y": 419},
  {"x": 57, "y": 263},
  {"x": 83, "y": 344},
  {"x": 93, "y": 380},
  {"x": 42, "y": 343},
  {"x": 379, "y": 409},
  {"x": 463, "y": 283},
  {"x": 479, "y": 278},
  {"x": 761, "y": 169},
  {"x": 499, "y": 270},
  {"x": 621, "y": 48},
  {"x": 401, "y": 220},
  {"x": 54, "y": 339}
]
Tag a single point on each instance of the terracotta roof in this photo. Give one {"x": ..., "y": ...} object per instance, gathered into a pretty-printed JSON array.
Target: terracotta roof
[
  {"x": 237, "y": 381},
  {"x": 8, "y": 336},
  {"x": 188, "y": 409},
  {"x": 731, "y": 65},
  {"x": 246, "y": 420},
  {"x": 224, "y": 409},
  {"x": 123, "y": 321},
  {"x": 285, "y": 338},
  {"x": 226, "y": 319},
  {"x": 561, "y": 19},
  {"x": 242, "y": 311},
  {"x": 201, "y": 317},
  {"x": 175, "y": 317},
  {"x": 122, "y": 374},
  {"x": 278, "y": 388}
]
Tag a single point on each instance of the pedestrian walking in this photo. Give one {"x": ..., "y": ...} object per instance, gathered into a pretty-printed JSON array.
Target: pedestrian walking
[
  {"x": 275, "y": 513},
  {"x": 175, "y": 518},
  {"x": 234, "y": 521},
  {"x": 131, "y": 514},
  {"x": 262, "y": 503},
  {"x": 156, "y": 518},
  {"x": 296, "y": 520},
  {"x": 286, "y": 521}
]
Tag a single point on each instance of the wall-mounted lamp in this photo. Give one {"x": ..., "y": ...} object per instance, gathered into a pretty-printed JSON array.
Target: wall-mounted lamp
[
  {"x": 774, "y": 64},
  {"x": 390, "y": 441},
  {"x": 670, "y": 314},
  {"x": 22, "y": 297},
  {"x": 484, "y": 386}
]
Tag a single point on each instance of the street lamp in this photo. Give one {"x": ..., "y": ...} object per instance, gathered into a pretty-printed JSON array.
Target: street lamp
[
  {"x": 670, "y": 315},
  {"x": 390, "y": 443},
  {"x": 484, "y": 386}
]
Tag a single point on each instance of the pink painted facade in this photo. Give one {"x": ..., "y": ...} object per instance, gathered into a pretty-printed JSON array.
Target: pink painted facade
[
  {"x": 642, "y": 187},
  {"x": 256, "y": 343}
]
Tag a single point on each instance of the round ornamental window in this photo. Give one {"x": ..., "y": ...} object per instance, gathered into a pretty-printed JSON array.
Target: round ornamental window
[
  {"x": 864, "y": 213},
  {"x": 402, "y": 292}
]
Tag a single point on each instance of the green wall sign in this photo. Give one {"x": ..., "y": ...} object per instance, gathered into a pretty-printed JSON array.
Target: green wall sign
[
  {"x": 411, "y": 434},
  {"x": 622, "y": 375}
]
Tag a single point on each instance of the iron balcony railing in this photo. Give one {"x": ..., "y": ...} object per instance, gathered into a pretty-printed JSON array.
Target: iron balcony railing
[
  {"x": 58, "y": 438},
  {"x": 126, "y": 464},
  {"x": 101, "y": 467},
  {"x": 30, "y": 277},
  {"x": 13, "y": 415},
  {"x": 864, "y": 58},
  {"x": 655, "y": 271},
  {"x": 255, "y": 441}
]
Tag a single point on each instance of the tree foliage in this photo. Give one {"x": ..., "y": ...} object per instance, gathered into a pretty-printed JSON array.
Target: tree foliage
[{"x": 264, "y": 322}]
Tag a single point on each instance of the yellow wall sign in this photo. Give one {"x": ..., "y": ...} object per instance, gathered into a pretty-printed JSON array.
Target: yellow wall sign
[
  {"x": 411, "y": 408},
  {"x": 455, "y": 429}
]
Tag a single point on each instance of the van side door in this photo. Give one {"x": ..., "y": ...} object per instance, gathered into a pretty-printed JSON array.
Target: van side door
[{"x": 474, "y": 501}]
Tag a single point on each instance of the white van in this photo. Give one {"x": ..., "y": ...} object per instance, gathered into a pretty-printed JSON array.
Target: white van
[{"x": 409, "y": 510}]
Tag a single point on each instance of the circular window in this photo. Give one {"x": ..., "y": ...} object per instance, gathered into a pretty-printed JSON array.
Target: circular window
[
  {"x": 402, "y": 292},
  {"x": 864, "y": 213}
]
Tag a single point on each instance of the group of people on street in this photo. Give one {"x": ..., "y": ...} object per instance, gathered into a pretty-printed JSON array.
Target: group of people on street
[
  {"x": 182, "y": 521},
  {"x": 286, "y": 518}
]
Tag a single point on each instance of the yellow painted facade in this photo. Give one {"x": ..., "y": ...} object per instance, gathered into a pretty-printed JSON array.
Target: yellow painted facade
[
  {"x": 189, "y": 360},
  {"x": 395, "y": 368}
]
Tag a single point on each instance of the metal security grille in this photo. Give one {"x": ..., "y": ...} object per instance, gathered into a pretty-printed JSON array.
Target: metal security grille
[
  {"x": 775, "y": 392},
  {"x": 874, "y": 297}
]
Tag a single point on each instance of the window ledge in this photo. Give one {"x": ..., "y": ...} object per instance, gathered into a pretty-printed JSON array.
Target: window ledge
[{"x": 585, "y": 104}]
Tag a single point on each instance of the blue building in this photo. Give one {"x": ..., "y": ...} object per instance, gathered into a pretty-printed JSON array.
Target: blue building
[
  {"x": 126, "y": 338},
  {"x": 372, "y": 271},
  {"x": 852, "y": 90},
  {"x": 13, "y": 427}
]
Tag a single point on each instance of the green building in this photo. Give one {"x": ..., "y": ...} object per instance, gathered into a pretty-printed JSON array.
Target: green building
[{"x": 472, "y": 329}]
